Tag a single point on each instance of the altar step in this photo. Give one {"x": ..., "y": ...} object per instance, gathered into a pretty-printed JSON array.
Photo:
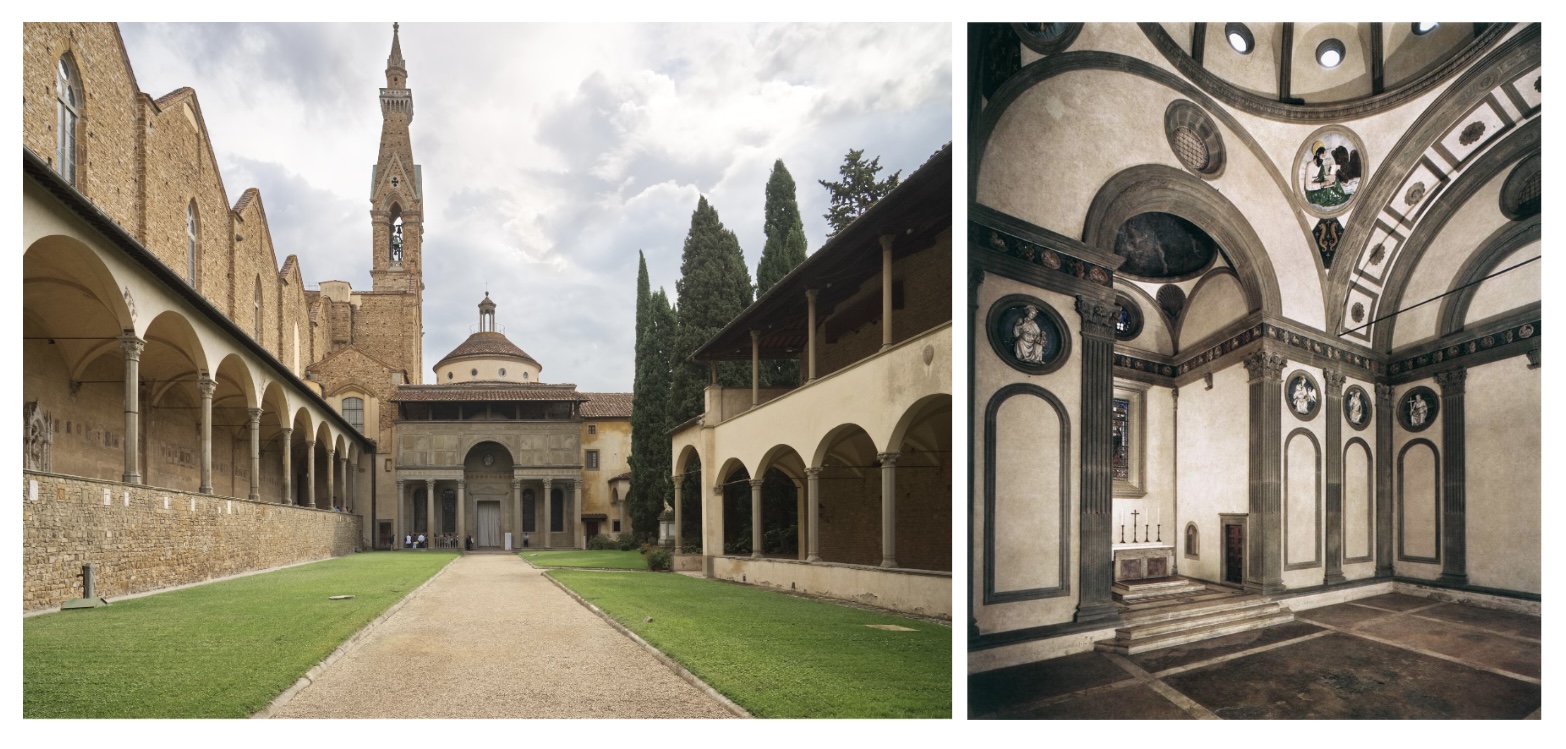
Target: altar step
[
  {"x": 1164, "y": 624},
  {"x": 1130, "y": 591}
]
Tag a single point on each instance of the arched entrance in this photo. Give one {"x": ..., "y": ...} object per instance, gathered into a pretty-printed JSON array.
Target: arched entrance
[{"x": 486, "y": 513}]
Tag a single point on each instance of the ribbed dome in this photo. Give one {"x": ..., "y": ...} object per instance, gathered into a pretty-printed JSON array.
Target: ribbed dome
[{"x": 488, "y": 344}]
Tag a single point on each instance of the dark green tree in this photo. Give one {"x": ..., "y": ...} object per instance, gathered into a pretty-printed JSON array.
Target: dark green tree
[
  {"x": 858, "y": 191},
  {"x": 650, "y": 456},
  {"x": 784, "y": 250},
  {"x": 714, "y": 287}
]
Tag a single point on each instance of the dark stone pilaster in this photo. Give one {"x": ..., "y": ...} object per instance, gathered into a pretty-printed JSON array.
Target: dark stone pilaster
[
  {"x": 1095, "y": 603},
  {"x": 1454, "y": 505},
  {"x": 1264, "y": 536},
  {"x": 1334, "y": 449},
  {"x": 1386, "y": 414}
]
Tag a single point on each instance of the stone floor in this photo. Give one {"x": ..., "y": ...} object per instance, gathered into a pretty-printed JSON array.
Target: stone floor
[{"x": 1388, "y": 656}]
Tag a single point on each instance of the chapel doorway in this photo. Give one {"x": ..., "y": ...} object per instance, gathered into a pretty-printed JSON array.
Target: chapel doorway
[
  {"x": 590, "y": 528},
  {"x": 488, "y": 524},
  {"x": 1234, "y": 549}
]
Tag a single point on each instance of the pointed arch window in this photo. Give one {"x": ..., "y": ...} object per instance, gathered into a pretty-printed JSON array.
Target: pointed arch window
[
  {"x": 68, "y": 102},
  {"x": 258, "y": 309},
  {"x": 396, "y": 236},
  {"x": 190, "y": 242}
]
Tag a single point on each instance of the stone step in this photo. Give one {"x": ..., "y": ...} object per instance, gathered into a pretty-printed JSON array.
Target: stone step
[
  {"x": 1160, "y": 582},
  {"x": 1198, "y": 634},
  {"x": 1176, "y": 590},
  {"x": 1155, "y": 603},
  {"x": 1141, "y": 631},
  {"x": 1188, "y": 610}
]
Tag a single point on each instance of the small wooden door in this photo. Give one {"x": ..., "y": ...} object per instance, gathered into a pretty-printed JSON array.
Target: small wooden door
[
  {"x": 1234, "y": 553},
  {"x": 591, "y": 527}
]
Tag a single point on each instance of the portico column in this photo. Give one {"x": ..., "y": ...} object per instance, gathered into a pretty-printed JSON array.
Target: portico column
[
  {"x": 255, "y": 453},
  {"x": 886, "y": 295},
  {"x": 398, "y": 531},
  {"x": 1384, "y": 418},
  {"x": 813, "y": 514},
  {"x": 288, "y": 468},
  {"x": 206, "y": 385},
  {"x": 755, "y": 518},
  {"x": 799, "y": 512},
  {"x": 342, "y": 485},
  {"x": 1264, "y": 534},
  {"x": 1094, "y": 560},
  {"x": 549, "y": 501},
  {"x": 1334, "y": 412},
  {"x": 810, "y": 333},
  {"x": 516, "y": 519},
  {"x": 1454, "y": 483},
  {"x": 679, "y": 534},
  {"x": 310, "y": 472},
  {"x": 429, "y": 512},
  {"x": 576, "y": 510},
  {"x": 331, "y": 477},
  {"x": 889, "y": 509},
  {"x": 132, "y": 346},
  {"x": 462, "y": 514}
]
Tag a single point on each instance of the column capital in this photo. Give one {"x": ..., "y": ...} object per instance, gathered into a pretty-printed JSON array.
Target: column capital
[
  {"x": 255, "y": 415},
  {"x": 132, "y": 346},
  {"x": 814, "y": 471},
  {"x": 1264, "y": 364},
  {"x": 1452, "y": 381},
  {"x": 462, "y": 483},
  {"x": 811, "y": 294},
  {"x": 888, "y": 459},
  {"x": 677, "y": 478},
  {"x": 1384, "y": 393},
  {"x": 547, "y": 483},
  {"x": 400, "y": 482},
  {"x": 309, "y": 443},
  {"x": 287, "y": 432},
  {"x": 1098, "y": 316},
  {"x": 207, "y": 385},
  {"x": 1334, "y": 381},
  {"x": 756, "y": 483},
  {"x": 516, "y": 484}
]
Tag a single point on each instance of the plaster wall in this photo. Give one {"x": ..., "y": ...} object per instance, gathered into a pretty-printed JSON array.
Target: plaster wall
[
  {"x": 1510, "y": 290},
  {"x": 1214, "y": 471},
  {"x": 1255, "y": 71},
  {"x": 1416, "y": 490},
  {"x": 1407, "y": 55},
  {"x": 1359, "y": 489},
  {"x": 1218, "y": 303},
  {"x": 1310, "y": 81},
  {"x": 1034, "y": 505},
  {"x": 922, "y": 593},
  {"x": 1503, "y": 425},
  {"x": 1156, "y": 336},
  {"x": 1460, "y": 237},
  {"x": 613, "y": 443},
  {"x": 1304, "y": 484}
]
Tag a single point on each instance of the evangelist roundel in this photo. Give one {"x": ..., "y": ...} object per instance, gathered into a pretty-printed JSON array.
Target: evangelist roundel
[
  {"x": 489, "y": 459},
  {"x": 1302, "y": 395},
  {"x": 1418, "y": 408},
  {"x": 1356, "y": 407},
  {"x": 1328, "y": 170},
  {"x": 1028, "y": 334}
]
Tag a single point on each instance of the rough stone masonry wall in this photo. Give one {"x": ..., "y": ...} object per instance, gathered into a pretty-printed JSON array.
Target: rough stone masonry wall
[{"x": 141, "y": 546}]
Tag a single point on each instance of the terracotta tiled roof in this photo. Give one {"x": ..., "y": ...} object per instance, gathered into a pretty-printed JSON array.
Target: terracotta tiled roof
[
  {"x": 489, "y": 391},
  {"x": 486, "y": 343},
  {"x": 607, "y": 406},
  {"x": 622, "y": 477}
]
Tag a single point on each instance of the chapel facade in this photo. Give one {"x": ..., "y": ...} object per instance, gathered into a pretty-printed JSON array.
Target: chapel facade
[{"x": 1255, "y": 306}]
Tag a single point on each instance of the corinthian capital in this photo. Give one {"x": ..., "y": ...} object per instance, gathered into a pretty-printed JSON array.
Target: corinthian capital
[
  {"x": 1334, "y": 381},
  {"x": 1098, "y": 316},
  {"x": 1265, "y": 364},
  {"x": 1452, "y": 381}
]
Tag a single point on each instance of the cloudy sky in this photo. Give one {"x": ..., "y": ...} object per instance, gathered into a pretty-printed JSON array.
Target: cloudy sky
[{"x": 551, "y": 153}]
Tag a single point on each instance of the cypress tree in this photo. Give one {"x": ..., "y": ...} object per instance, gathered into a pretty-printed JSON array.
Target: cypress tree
[
  {"x": 714, "y": 287},
  {"x": 650, "y": 456},
  {"x": 785, "y": 249},
  {"x": 858, "y": 191}
]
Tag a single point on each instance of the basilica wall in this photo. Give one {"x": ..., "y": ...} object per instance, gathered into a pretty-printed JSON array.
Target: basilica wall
[
  {"x": 180, "y": 170},
  {"x": 388, "y": 327},
  {"x": 148, "y": 538},
  {"x": 87, "y": 422},
  {"x": 1027, "y": 498},
  {"x": 1503, "y": 420},
  {"x": 1213, "y": 468}
]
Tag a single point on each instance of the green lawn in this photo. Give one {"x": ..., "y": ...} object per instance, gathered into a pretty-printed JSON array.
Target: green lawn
[
  {"x": 222, "y": 650},
  {"x": 611, "y": 560},
  {"x": 780, "y": 656}
]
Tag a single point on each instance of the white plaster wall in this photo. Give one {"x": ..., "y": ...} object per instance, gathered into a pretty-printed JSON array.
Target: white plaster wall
[
  {"x": 1159, "y": 470},
  {"x": 1028, "y": 495},
  {"x": 1256, "y": 71},
  {"x": 1359, "y": 500},
  {"x": 1421, "y": 480},
  {"x": 1219, "y": 302},
  {"x": 1310, "y": 81},
  {"x": 1502, "y": 422},
  {"x": 1420, "y": 491},
  {"x": 1461, "y": 237},
  {"x": 1155, "y": 336},
  {"x": 991, "y": 374},
  {"x": 1214, "y": 464},
  {"x": 1509, "y": 290},
  {"x": 1301, "y": 519}
]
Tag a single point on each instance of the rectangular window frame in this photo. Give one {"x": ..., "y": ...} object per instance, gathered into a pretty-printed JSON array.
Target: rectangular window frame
[
  {"x": 590, "y": 463},
  {"x": 1135, "y": 394}
]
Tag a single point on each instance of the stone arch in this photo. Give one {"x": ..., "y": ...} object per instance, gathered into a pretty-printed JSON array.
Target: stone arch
[
  {"x": 487, "y": 494},
  {"x": 783, "y": 527},
  {"x": 62, "y": 274},
  {"x": 683, "y": 460},
  {"x": 1156, "y": 187},
  {"x": 1484, "y": 261},
  {"x": 734, "y": 510},
  {"x": 304, "y": 426},
  {"x": 922, "y": 441},
  {"x": 850, "y": 496},
  {"x": 1295, "y": 507}
]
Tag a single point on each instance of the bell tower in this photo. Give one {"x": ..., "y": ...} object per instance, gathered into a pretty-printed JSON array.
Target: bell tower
[{"x": 396, "y": 187}]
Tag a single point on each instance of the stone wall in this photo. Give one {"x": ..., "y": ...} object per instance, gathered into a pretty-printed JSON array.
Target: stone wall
[{"x": 147, "y": 538}]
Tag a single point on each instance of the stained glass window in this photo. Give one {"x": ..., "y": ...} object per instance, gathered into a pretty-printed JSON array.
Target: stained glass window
[{"x": 1120, "y": 427}]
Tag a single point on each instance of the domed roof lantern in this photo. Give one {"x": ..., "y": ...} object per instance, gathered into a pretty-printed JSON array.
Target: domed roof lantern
[{"x": 486, "y": 315}]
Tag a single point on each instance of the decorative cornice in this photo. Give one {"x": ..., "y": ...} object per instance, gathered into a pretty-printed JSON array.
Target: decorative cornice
[
  {"x": 1003, "y": 243},
  {"x": 1472, "y": 347},
  {"x": 1149, "y": 366}
]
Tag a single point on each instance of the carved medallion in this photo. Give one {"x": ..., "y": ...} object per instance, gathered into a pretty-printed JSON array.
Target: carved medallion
[
  {"x": 1416, "y": 193},
  {"x": 1328, "y": 170},
  {"x": 1357, "y": 312},
  {"x": 1418, "y": 408},
  {"x": 1302, "y": 395},
  {"x": 1356, "y": 407},
  {"x": 1378, "y": 254},
  {"x": 1028, "y": 334},
  {"x": 1471, "y": 134},
  {"x": 489, "y": 459}
]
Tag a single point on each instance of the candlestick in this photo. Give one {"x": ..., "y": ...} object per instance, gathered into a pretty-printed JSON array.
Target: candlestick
[
  {"x": 1160, "y": 533},
  {"x": 1122, "y": 533}
]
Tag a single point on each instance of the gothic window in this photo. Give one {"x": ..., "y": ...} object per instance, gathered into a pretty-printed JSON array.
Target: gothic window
[
  {"x": 190, "y": 243},
  {"x": 396, "y": 236},
  {"x": 353, "y": 411},
  {"x": 1127, "y": 422},
  {"x": 258, "y": 308},
  {"x": 68, "y": 98},
  {"x": 592, "y": 460}
]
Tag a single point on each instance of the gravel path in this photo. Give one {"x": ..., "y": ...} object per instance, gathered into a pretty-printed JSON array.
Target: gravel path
[{"x": 491, "y": 638}]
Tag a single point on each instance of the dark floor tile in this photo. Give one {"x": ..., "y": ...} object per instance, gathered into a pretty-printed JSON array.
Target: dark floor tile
[
  {"x": 1396, "y": 601},
  {"x": 1469, "y": 644},
  {"x": 1180, "y": 655},
  {"x": 1504, "y": 622},
  {"x": 1342, "y": 676},
  {"x": 1344, "y": 615},
  {"x": 997, "y": 690},
  {"x": 1137, "y": 702}
]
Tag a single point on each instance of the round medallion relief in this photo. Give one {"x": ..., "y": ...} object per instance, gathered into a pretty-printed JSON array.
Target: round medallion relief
[
  {"x": 1356, "y": 407},
  {"x": 1302, "y": 395},
  {"x": 1328, "y": 170},
  {"x": 1028, "y": 334},
  {"x": 1418, "y": 408}
]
